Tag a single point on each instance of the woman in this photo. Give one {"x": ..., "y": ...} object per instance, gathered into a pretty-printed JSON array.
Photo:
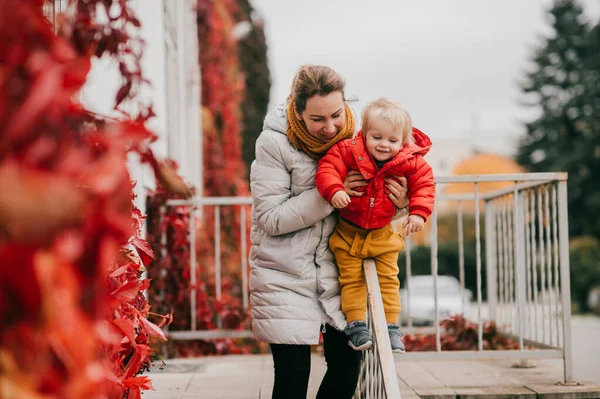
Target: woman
[{"x": 295, "y": 293}]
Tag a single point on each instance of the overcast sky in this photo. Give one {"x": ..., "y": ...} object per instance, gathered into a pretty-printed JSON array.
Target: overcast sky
[{"x": 454, "y": 64}]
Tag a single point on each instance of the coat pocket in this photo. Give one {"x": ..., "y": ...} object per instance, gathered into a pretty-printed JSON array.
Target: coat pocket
[{"x": 291, "y": 253}]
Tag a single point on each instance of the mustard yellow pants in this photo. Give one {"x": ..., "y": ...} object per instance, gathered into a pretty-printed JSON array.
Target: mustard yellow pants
[{"x": 351, "y": 245}]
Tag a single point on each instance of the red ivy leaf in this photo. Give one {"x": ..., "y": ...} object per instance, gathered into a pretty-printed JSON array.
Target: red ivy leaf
[
  {"x": 145, "y": 284},
  {"x": 142, "y": 382},
  {"x": 140, "y": 353},
  {"x": 144, "y": 250},
  {"x": 127, "y": 291},
  {"x": 127, "y": 328},
  {"x": 152, "y": 329},
  {"x": 44, "y": 91},
  {"x": 123, "y": 92},
  {"x": 120, "y": 271}
]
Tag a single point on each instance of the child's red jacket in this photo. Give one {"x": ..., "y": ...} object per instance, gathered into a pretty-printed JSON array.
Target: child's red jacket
[{"x": 374, "y": 209}]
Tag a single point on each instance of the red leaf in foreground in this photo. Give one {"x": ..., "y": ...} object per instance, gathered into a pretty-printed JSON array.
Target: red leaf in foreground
[
  {"x": 152, "y": 329},
  {"x": 44, "y": 91},
  {"x": 127, "y": 291},
  {"x": 145, "y": 284},
  {"x": 123, "y": 92},
  {"x": 134, "y": 394},
  {"x": 142, "y": 382},
  {"x": 120, "y": 271},
  {"x": 127, "y": 328},
  {"x": 139, "y": 356},
  {"x": 144, "y": 250},
  {"x": 106, "y": 175}
]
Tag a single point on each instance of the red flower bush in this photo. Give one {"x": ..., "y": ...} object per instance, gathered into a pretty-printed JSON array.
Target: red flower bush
[{"x": 460, "y": 335}]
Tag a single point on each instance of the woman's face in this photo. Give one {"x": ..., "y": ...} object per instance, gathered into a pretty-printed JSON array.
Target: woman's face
[{"x": 324, "y": 116}]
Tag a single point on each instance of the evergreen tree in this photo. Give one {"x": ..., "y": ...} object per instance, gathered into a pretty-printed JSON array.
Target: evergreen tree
[{"x": 566, "y": 136}]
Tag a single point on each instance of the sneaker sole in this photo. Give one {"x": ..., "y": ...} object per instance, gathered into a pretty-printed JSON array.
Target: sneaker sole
[
  {"x": 399, "y": 351},
  {"x": 363, "y": 347}
]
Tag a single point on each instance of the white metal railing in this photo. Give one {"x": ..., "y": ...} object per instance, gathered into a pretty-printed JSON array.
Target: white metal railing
[
  {"x": 196, "y": 206},
  {"x": 377, "y": 378},
  {"x": 526, "y": 233},
  {"x": 52, "y": 8},
  {"x": 526, "y": 263}
]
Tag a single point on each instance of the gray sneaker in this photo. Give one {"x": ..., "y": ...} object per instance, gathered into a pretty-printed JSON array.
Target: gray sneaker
[
  {"x": 359, "y": 337},
  {"x": 396, "y": 338}
]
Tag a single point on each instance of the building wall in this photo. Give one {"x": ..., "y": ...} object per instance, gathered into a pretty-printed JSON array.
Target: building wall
[{"x": 170, "y": 63}]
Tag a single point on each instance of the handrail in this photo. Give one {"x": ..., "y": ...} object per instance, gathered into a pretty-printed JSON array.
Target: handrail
[{"x": 378, "y": 378}]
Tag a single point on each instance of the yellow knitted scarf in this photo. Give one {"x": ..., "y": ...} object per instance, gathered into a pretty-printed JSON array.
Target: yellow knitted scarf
[{"x": 312, "y": 146}]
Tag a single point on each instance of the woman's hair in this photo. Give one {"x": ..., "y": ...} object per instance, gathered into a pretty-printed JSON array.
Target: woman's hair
[
  {"x": 311, "y": 80},
  {"x": 389, "y": 111}
]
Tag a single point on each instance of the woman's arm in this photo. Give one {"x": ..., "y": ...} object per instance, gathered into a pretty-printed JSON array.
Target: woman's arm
[{"x": 277, "y": 211}]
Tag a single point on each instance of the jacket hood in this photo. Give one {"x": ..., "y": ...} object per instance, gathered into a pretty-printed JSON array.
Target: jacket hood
[
  {"x": 422, "y": 142},
  {"x": 276, "y": 119}
]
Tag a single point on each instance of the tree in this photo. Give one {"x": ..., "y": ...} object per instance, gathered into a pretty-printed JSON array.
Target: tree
[
  {"x": 566, "y": 135},
  {"x": 253, "y": 60},
  {"x": 584, "y": 264}
]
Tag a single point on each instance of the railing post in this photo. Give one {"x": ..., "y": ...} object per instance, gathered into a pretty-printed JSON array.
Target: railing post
[
  {"x": 478, "y": 266},
  {"x": 565, "y": 279},
  {"x": 434, "y": 272},
  {"x": 244, "y": 257},
  {"x": 520, "y": 275},
  {"x": 461, "y": 254},
  {"x": 218, "y": 260},
  {"x": 490, "y": 260},
  {"x": 194, "y": 289},
  {"x": 407, "y": 249},
  {"x": 382, "y": 339}
]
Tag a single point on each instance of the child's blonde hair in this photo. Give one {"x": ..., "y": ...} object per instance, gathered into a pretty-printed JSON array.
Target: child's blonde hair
[{"x": 390, "y": 111}]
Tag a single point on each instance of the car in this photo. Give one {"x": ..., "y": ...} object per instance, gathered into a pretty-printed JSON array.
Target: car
[
  {"x": 594, "y": 300},
  {"x": 452, "y": 300}
]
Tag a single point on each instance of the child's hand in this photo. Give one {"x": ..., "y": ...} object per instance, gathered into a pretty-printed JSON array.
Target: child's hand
[
  {"x": 340, "y": 199},
  {"x": 413, "y": 224}
]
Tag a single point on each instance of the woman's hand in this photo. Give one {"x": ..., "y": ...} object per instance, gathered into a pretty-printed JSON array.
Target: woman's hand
[
  {"x": 398, "y": 188},
  {"x": 353, "y": 180}
]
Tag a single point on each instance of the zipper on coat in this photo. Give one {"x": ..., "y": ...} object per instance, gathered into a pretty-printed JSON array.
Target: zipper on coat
[
  {"x": 318, "y": 270},
  {"x": 371, "y": 205},
  {"x": 318, "y": 267}
]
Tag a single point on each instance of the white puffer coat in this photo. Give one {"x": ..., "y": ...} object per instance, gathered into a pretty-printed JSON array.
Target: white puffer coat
[{"x": 294, "y": 286}]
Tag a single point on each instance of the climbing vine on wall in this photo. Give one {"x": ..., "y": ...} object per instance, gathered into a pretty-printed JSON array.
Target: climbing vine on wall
[
  {"x": 223, "y": 93},
  {"x": 73, "y": 315}
]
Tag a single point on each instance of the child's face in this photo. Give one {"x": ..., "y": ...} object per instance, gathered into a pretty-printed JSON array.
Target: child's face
[{"x": 383, "y": 142}]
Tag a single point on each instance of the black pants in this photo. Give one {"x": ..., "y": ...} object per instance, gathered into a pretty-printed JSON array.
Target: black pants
[{"x": 292, "y": 368}]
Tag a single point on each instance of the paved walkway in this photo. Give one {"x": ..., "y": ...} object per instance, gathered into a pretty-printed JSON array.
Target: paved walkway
[{"x": 245, "y": 377}]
